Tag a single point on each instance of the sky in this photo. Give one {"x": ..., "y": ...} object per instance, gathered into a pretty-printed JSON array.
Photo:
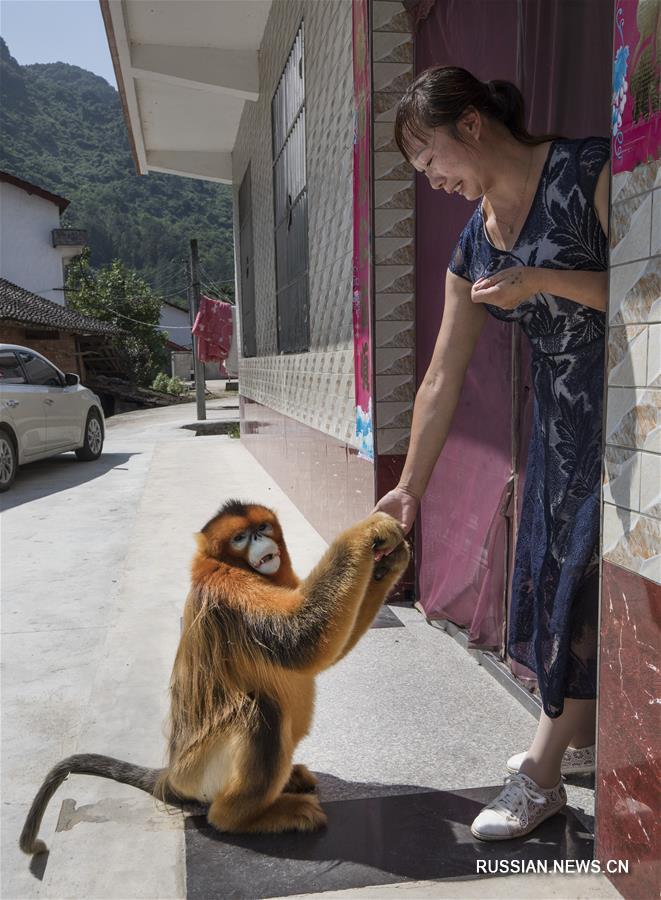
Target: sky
[{"x": 57, "y": 31}]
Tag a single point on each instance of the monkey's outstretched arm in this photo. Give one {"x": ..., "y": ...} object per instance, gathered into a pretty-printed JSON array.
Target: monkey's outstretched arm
[{"x": 389, "y": 573}]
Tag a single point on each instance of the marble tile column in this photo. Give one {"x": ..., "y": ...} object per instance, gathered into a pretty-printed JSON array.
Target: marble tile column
[
  {"x": 394, "y": 199},
  {"x": 628, "y": 756}
]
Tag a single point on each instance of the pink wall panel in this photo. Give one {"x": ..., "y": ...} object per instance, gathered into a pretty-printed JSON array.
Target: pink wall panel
[
  {"x": 325, "y": 478},
  {"x": 629, "y": 754}
]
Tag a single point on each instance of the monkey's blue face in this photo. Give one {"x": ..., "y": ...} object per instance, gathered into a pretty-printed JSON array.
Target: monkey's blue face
[{"x": 259, "y": 548}]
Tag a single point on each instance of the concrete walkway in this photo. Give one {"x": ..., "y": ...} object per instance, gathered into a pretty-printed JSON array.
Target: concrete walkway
[{"x": 95, "y": 572}]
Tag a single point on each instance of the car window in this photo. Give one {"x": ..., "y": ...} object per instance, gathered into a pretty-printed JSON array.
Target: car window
[
  {"x": 10, "y": 369},
  {"x": 39, "y": 371}
]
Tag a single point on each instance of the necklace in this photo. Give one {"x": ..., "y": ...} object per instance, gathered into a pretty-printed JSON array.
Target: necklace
[{"x": 510, "y": 225}]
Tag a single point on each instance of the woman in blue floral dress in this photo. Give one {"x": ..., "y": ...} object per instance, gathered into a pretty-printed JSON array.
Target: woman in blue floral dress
[{"x": 534, "y": 252}]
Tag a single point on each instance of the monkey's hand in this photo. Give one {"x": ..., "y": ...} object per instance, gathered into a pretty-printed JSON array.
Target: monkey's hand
[
  {"x": 384, "y": 533},
  {"x": 396, "y": 561}
]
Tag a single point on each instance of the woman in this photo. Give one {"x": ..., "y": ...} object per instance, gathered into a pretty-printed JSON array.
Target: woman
[{"x": 534, "y": 252}]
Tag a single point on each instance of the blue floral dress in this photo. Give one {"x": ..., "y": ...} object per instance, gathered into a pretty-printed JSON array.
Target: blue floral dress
[{"x": 553, "y": 616}]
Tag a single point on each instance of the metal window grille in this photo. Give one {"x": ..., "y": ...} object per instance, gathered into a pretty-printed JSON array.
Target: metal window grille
[
  {"x": 246, "y": 257},
  {"x": 291, "y": 204}
]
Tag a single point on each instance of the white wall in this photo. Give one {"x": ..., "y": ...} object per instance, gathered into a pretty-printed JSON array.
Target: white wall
[
  {"x": 177, "y": 324},
  {"x": 27, "y": 255}
]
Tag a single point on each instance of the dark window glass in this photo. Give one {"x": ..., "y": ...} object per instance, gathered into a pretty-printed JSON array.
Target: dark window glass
[
  {"x": 290, "y": 204},
  {"x": 10, "y": 369},
  {"x": 246, "y": 256},
  {"x": 39, "y": 371}
]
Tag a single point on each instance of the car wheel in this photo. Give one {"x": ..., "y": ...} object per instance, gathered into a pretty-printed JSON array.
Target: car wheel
[
  {"x": 93, "y": 445},
  {"x": 8, "y": 460}
]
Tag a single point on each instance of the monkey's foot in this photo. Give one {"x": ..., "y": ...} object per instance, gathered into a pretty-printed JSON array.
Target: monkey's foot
[
  {"x": 301, "y": 781},
  {"x": 290, "y": 812}
]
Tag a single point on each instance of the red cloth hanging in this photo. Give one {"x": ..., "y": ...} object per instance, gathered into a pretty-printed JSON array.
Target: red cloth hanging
[{"x": 213, "y": 330}]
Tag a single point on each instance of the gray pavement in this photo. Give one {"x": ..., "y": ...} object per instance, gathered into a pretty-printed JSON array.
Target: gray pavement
[{"x": 95, "y": 571}]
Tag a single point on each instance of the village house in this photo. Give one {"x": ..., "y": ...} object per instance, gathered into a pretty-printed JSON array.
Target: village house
[{"x": 34, "y": 251}]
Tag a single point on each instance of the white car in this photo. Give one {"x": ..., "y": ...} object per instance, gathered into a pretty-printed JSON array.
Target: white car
[{"x": 43, "y": 412}]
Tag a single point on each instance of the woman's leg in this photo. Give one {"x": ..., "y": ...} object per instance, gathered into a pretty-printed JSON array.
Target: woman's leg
[{"x": 553, "y": 736}]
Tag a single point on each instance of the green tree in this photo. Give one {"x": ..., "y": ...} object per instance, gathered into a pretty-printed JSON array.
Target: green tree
[{"x": 115, "y": 294}]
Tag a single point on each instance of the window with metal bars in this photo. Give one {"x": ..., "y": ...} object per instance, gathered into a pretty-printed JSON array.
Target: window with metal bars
[{"x": 291, "y": 204}]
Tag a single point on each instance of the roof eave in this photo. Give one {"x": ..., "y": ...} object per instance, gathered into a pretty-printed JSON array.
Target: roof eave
[{"x": 139, "y": 160}]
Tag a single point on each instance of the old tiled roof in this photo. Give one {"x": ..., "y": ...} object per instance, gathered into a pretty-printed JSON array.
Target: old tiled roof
[{"x": 19, "y": 305}]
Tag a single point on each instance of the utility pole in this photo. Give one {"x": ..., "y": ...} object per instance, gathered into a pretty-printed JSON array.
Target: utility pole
[{"x": 194, "y": 302}]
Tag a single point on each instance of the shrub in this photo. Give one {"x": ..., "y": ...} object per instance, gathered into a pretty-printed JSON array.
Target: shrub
[{"x": 161, "y": 383}]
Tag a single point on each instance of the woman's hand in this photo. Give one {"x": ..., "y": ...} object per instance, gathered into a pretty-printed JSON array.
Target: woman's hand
[
  {"x": 506, "y": 288},
  {"x": 402, "y": 505}
]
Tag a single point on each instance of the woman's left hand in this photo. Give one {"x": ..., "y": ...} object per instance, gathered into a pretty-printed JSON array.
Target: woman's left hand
[{"x": 506, "y": 288}]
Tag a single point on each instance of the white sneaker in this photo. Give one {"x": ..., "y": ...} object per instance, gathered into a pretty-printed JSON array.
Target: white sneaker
[
  {"x": 574, "y": 761},
  {"x": 521, "y": 806}
]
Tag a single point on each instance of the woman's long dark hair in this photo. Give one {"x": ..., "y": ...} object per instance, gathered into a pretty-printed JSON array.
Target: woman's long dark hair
[{"x": 440, "y": 96}]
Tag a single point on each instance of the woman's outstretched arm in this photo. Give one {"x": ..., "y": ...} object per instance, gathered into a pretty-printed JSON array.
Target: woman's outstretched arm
[{"x": 437, "y": 396}]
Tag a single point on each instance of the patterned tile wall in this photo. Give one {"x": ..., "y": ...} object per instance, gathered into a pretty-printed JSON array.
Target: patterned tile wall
[
  {"x": 317, "y": 387},
  {"x": 632, "y": 470},
  {"x": 394, "y": 198}
]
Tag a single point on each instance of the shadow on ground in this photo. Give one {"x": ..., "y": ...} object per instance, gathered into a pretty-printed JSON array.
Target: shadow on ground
[
  {"x": 376, "y": 834},
  {"x": 58, "y": 473}
]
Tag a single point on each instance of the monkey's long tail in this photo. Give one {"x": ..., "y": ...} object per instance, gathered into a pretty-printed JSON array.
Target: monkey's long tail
[{"x": 85, "y": 764}]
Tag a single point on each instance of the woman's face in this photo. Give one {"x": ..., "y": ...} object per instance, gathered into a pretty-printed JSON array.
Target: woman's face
[{"x": 448, "y": 163}]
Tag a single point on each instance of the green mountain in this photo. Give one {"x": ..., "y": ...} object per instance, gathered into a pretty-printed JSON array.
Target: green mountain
[{"x": 62, "y": 128}]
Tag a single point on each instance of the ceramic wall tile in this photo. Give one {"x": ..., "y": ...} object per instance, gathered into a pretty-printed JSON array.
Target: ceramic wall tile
[
  {"x": 394, "y": 223},
  {"x": 395, "y": 387},
  {"x": 392, "y": 251},
  {"x": 287, "y": 382},
  {"x": 388, "y": 15},
  {"x": 395, "y": 361},
  {"x": 621, "y": 472},
  {"x": 393, "y": 440},
  {"x": 385, "y": 106},
  {"x": 654, "y": 356},
  {"x": 627, "y": 355},
  {"x": 633, "y": 541},
  {"x": 394, "y": 334},
  {"x": 635, "y": 292},
  {"x": 394, "y": 414},
  {"x": 394, "y": 194},
  {"x": 650, "y": 484},
  {"x": 392, "y": 76},
  {"x": 633, "y": 418},
  {"x": 625, "y": 185},
  {"x": 656, "y": 222},
  {"x": 391, "y": 165},
  {"x": 392, "y": 47},
  {"x": 394, "y": 279},
  {"x": 384, "y": 138},
  {"x": 395, "y": 306},
  {"x": 630, "y": 229}
]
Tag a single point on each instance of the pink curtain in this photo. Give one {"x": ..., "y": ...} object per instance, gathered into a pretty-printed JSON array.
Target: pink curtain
[{"x": 559, "y": 53}]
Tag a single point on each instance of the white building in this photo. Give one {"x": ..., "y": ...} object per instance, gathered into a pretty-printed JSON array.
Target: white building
[
  {"x": 176, "y": 324},
  {"x": 34, "y": 249}
]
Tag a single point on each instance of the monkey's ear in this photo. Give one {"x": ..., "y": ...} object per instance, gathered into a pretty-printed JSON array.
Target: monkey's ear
[{"x": 201, "y": 541}]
